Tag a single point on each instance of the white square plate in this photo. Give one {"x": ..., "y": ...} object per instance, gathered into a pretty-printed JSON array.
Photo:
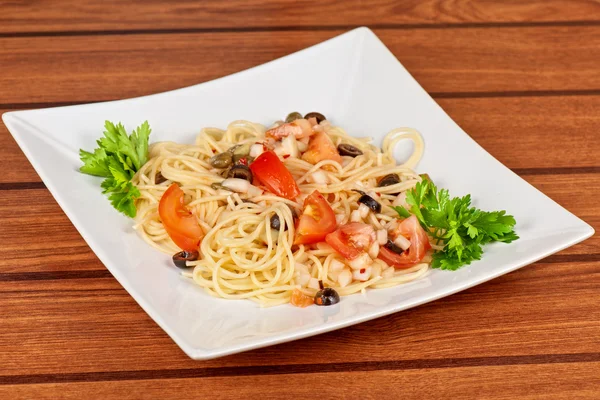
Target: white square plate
[{"x": 358, "y": 84}]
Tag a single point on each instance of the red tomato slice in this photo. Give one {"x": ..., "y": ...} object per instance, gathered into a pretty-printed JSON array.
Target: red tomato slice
[
  {"x": 180, "y": 224},
  {"x": 321, "y": 148},
  {"x": 419, "y": 244},
  {"x": 271, "y": 172},
  {"x": 352, "y": 239},
  {"x": 316, "y": 221}
]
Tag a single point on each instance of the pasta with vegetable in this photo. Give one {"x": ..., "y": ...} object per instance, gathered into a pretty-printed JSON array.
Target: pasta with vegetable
[{"x": 299, "y": 212}]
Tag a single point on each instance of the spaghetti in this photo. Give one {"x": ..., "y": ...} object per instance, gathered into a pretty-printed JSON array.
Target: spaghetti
[{"x": 242, "y": 256}]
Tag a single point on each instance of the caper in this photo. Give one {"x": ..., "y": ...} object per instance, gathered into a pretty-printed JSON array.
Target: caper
[
  {"x": 291, "y": 117},
  {"x": 318, "y": 116},
  {"x": 393, "y": 247},
  {"x": 240, "y": 171},
  {"x": 159, "y": 178},
  {"x": 221, "y": 160},
  {"x": 180, "y": 259},
  {"x": 388, "y": 180},
  {"x": 370, "y": 202},
  {"x": 348, "y": 150},
  {"x": 326, "y": 296}
]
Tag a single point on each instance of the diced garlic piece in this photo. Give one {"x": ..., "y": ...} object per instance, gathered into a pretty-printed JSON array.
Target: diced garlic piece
[
  {"x": 236, "y": 185},
  {"x": 313, "y": 283},
  {"x": 361, "y": 261},
  {"x": 345, "y": 277},
  {"x": 319, "y": 177},
  {"x": 382, "y": 237},
  {"x": 302, "y": 147},
  {"x": 374, "y": 250},
  {"x": 388, "y": 272},
  {"x": 362, "y": 274},
  {"x": 290, "y": 146},
  {"x": 402, "y": 242},
  {"x": 375, "y": 270},
  {"x": 301, "y": 268},
  {"x": 303, "y": 279},
  {"x": 355, "y": 216},
  {"x": 400, "y": 200},
  {"x": 363, "y": 210},
  {"x": 254, "y": 191},
  {"x": 336, "y": 265},
  {"x": 256, "y": 150}
]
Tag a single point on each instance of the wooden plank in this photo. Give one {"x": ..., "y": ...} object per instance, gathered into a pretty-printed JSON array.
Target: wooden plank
[
  {"x": 93, "y": 68},
  {"x": 47, "y": 323},
  {"x": 560, "y": 381},
  {"x": 116, "y": 15},
  {"x": 552, "y": 132}
]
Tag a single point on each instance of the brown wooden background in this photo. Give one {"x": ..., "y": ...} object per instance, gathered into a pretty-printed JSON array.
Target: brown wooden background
[{"x": 523, "y": 78}]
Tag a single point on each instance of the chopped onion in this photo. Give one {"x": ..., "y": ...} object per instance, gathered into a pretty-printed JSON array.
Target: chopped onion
[
  {"x": 254, "y": 191},
  {"x": 400, "y": 200},
  {"x": 355, "y": 216},
  {"x": 374, "y": 250},
  {"x": 388, "y": 272},
  {"x": 346, "y": 160},
  {"x": 361, "y": 261},
  {"x": 336, "y": 265},
  {"x": 256, "y": 150},
  {"x": 382, "y": 237},
  {"x": 237, "y": 185},
  {"x": 313, "y": 283},
  {"x": 340, "y": 218},
  {"x": 302, "y": 147},
  {"x": 375, "y": 270},
  {"x": 362, "y": 274},
  {"x": 290, "y": 146},
  {"x": 402, "y": 242},
  {"x": 319, "y": 177},
  {"x": 345, "y": 277},
  {"x": 301, "y": 268},
  {"x": 392, "y": 225},
  {"x": 363, "y": 210},
  {"x": 303, "y": 279}
]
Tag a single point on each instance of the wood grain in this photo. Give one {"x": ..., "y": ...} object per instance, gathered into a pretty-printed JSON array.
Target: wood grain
[
  {"x": 515, "y": 315},
  {"x": 556, "y": 381},
  {"x": 82, "y": 16},
  {"x": 560, "y": 132},
  {"x": 521, "y": 78},
  {"x": 465, "y": 61}
]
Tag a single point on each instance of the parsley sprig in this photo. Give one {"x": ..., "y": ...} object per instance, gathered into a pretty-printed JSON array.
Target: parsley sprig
[
  {"x": 118, "y": 157},
  {"x": 461, "y": 228}
]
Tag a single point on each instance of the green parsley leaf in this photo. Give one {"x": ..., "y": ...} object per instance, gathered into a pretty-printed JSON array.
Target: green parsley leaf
[
  {"x": 462, "y": 229},
  {"x": 118, "y": 157}
]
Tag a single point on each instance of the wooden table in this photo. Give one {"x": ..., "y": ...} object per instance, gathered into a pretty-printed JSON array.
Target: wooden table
[{"x": 523, "y": 78}]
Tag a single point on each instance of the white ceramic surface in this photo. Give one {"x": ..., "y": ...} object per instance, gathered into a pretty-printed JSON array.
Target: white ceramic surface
[{"x": 358, "y": 84}]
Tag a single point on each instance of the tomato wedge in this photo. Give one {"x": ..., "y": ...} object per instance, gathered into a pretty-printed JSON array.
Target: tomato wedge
[
  {"x": 321, "y": 147},
  {"x": 271, "y": 172},
  {"x": 350, "y": 240},
  {"x": 419, "y": 244},
  {"x": 181, "y": 225},
  {"x": 316, "y": 221}
]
